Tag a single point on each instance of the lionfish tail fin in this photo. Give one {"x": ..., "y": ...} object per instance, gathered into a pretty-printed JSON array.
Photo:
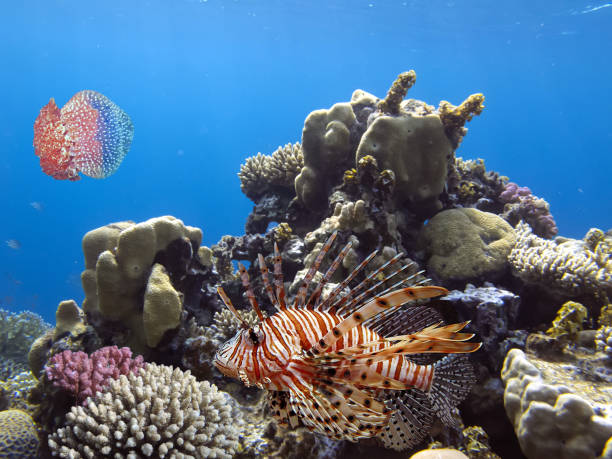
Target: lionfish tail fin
[{"x": 452, "y": 382}]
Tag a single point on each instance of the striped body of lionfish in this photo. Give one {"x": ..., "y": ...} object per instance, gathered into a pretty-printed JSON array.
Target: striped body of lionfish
[{"x": 355, "y": 364}]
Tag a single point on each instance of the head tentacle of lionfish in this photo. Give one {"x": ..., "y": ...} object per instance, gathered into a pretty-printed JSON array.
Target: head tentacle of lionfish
[{"x": 352, "y": 365}]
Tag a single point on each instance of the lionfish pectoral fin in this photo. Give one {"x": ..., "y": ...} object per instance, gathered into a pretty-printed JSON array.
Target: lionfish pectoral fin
[
  {"x": 325, "y": 410},
  {"x": 280, "y": 408}
]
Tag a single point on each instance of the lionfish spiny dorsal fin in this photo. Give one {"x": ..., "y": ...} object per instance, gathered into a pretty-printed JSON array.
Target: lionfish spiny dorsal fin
[
  {"x": 372, "y": 308},
  {"x": 344, "y": 284},
  {"x": 278, "y": 279},
  {"x": 266, "y": 280},
  {"x": 359, "y": 299},
  {"x": 406, "y": 320},
  {"x": 316, "y": 295},
  {"x": 244, "y": 276},
  {"x": 230, "y": 306},
  {"x": 365, "y": 284},
  {"x": 301, "y": 294}
]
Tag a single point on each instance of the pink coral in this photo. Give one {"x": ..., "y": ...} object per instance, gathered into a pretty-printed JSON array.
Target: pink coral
[
  {"x": 84, "y": 375},
  {"x": 521, "y": 204}
]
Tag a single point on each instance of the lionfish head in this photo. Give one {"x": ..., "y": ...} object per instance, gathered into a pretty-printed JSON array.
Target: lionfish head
[{"x": 234, "y": 357}]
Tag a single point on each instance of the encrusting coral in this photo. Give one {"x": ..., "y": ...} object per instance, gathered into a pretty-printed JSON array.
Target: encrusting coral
[
  {"x": 566, "y": 267},
  {"x": 18, "y": 436},
  {"x": 159, "y": 412}
]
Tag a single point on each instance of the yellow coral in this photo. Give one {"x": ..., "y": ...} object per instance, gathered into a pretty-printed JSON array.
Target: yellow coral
[
  {"x": 282, "y": 232},
  {"x": 568, "y": 321},
  {"x": 162, "y": 306},
  {"x": 397, "y": 92},
  {"x": 454, "y": 118}
]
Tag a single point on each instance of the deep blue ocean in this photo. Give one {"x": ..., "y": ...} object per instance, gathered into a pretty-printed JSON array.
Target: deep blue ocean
[{"x": 210, "y": 83}]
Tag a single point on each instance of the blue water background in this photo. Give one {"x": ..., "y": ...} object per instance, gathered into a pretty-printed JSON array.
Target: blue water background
[{"x": 209, "y": 83}]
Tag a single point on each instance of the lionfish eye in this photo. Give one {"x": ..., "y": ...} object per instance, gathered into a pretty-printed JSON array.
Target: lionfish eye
[{"x": 253, "y": 336}]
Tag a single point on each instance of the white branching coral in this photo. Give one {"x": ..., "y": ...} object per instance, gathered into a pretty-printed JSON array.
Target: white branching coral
[
  {"x": 569, "y": 266},
  {"x": 159, "y": 412}
]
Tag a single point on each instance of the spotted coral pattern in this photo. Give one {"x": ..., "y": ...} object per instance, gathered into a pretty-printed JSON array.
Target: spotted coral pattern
[{"x": 18, "y": 436}]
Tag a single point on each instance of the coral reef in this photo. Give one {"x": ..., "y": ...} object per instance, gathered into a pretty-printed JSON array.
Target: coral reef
[
  {"x": 83, "y": 375},
  {"x": 119, "y": 259},
  {"x": 159, "y": 412},
  {"x": 409, "y": 138},
  {"x": 143, "y": 280},
  {"x": 550, "y": 418},
  {"x": 70, "y": 332},
  {"x": 382, "y": 175},
  {"x": 14, "y": 392},
  {"x": 18, "y": 436},
  {"x": 17, "y": 333},
  {"x": 467, "y": 244},
  {"x": 567, "y": 267},
  {"x": 469, "y": 184},
  {"x": 454, "y": 118}
]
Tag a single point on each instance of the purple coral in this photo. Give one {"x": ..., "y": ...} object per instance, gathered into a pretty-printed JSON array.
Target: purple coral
[
  {"x": 84, "y": 375},
  {"x": 521, "y": 204}
]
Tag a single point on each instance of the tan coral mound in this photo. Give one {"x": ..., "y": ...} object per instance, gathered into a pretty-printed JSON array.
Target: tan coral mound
[
  {"x": 118, "y": 266},
  {"x": 462, "y": 244},
  {"x": 550, "y": 419},
  {"x": 160, "y": 412}
]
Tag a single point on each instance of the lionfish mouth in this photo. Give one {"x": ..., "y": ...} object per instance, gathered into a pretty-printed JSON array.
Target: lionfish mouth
[{"x": 224, "y": 369}]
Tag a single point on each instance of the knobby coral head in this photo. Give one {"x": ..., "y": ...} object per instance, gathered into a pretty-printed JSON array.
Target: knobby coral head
[{"x": 84, "y": 375}]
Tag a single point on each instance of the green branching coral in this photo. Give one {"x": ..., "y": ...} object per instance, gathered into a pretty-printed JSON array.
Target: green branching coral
[{"x": 391, "y": 104}]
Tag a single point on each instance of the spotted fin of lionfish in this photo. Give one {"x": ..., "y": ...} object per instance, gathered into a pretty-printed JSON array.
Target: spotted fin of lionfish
[{"x": 358, "y": 363}]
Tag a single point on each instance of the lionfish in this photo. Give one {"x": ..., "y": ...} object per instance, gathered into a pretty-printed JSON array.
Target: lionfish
[{"x": 354, "y": 364}]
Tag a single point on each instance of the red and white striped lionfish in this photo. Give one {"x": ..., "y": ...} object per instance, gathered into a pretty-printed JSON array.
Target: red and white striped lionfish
[{"x": 340, "y": 365}]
